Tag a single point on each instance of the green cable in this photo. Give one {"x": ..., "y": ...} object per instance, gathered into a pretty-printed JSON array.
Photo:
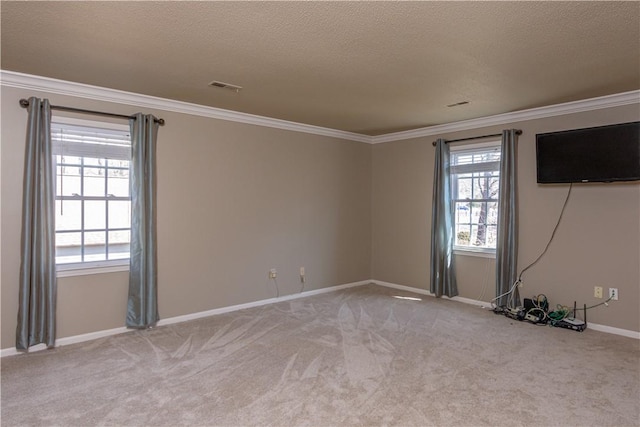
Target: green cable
[{"x": 558, "y": 315}]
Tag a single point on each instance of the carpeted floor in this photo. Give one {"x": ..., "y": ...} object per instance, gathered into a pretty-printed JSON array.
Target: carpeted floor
[{"x": 357, "y": 357}]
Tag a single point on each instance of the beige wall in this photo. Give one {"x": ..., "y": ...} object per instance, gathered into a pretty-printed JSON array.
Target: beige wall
[
  {"x": 597, "y": 244},
  {"x": 234, "y": 200}
]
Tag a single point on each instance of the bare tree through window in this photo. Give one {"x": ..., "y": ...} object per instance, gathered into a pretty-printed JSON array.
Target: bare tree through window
[{"x": 475, "y": 184}]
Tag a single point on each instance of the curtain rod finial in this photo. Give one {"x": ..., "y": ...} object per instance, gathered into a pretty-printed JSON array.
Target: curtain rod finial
[
  {"x": 24, "y": 103},
  {"x": 161, "y": 122}
]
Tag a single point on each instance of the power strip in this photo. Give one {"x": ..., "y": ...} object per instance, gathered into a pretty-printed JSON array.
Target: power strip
[{"x": 532, "y": 318}]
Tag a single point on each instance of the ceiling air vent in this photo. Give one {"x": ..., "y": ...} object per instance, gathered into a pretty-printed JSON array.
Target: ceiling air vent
[{"x": 223, "y": 85}]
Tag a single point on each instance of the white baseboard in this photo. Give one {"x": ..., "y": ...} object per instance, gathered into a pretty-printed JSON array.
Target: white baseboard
[
  {"x": 596, "y": 327},
  {"x": 402, "y": 287},
  {"x": 612, "y": 330},
  {"x": 428, "y": 293},
  {"x": 67, "y": 340},
  {"x": 184, "y": 318},
  {"x": 177, "y": 319},
  {"x": 259, "y": 303}
]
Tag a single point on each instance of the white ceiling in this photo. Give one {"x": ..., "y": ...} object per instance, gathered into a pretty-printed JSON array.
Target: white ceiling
[{"x": 365, "y": 67}]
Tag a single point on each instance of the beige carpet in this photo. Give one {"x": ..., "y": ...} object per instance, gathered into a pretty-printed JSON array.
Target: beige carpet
[{"x": 358, "y": 357}]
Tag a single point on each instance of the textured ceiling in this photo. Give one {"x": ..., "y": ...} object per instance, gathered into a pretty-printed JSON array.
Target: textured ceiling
[{"x": 366, "y": 67}]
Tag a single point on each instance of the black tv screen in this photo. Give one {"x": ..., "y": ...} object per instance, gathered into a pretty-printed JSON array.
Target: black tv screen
[{"x": 598, "y": 154}]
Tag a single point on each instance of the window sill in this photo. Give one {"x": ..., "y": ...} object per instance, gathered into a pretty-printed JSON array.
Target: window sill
[
  {"x": 481, "y": 253},
  {"x": 69, "y": 270}
]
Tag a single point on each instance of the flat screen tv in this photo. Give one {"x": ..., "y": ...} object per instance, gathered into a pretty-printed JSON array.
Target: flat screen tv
[{"x": 598, "y": 154}]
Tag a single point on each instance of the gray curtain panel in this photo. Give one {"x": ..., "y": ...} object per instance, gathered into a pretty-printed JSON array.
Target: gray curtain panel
[
  {"x": 443, "y": 279},
  {"x": 142, "y": 305},
  {"x": 37, "y": 293},
  {"x": 507, "y": 244}
]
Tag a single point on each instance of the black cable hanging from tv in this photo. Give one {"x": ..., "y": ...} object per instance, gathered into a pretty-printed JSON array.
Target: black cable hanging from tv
[{"x": 24, "y": 103}]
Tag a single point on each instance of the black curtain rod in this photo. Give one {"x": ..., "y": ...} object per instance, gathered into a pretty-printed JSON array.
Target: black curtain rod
[
  {"x": 518, "y": 132},
  {"x": 24, "y": 103}
]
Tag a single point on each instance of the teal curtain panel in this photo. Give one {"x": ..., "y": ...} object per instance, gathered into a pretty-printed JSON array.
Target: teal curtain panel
[
  {"x": 37, "y": 293},
  {"x": 142, "y": 304},
  {"x": 507, "y": 243},
  {"x": 443, "y": 279}
]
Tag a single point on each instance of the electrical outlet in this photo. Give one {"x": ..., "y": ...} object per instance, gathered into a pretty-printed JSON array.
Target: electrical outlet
[
  {"x": 597, "y": 292},
  {"x": 613, "y": 294},
  {"x": 273, "y": 273}
]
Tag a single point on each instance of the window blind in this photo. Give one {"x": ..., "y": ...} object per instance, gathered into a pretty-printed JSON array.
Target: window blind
[
  {"x": 476, "y": 160},
  {"x": 84, "y": 141}
]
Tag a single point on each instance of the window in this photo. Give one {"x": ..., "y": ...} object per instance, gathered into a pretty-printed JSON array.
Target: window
[
  {"x": 93, "y": 205},
  {"x": 475, "y": 180}
]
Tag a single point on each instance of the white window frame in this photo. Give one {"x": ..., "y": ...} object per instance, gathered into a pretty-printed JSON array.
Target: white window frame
[
  {"x": 476, "y": 167},
  {"x": 89, "y": 267}
]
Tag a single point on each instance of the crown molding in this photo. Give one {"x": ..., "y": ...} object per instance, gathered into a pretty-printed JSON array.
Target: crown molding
[
  {"x": 81, "y": 90},
  {"x": 608, "y": 101}
]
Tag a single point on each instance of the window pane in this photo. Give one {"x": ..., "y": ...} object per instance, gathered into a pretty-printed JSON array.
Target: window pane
[
  {"x": 118, "y": 163},
  {"x": 485, "y": 186},
  {"x": 480, "y": 236},
  {"x": 475, "y": 211},
  {"x": 121, "y": 236},
  {"x": 68, "y": 181},
  {"x": 92, "y": 161},
  {"x": 474, "y": 235},
  {"x": 118, "y": 182},
  {"x": 118, "y": 244},
  {"x": 492, "y": 217},
  {"x": 71, "y": 160},
  {"x": 68, "y": 248},
  {"x": 94, "y": 214},
  {"x": 492, "y": 236},
  {"x": 462, "y": 212},
  {"x": 119, "y": 214},
  {"x": 95, "y": 246},
  {"x": 94, "y": 182},
  {"x": 464, "y": 188},
  {"x": 68, "y": 215},
  {"x": 473, "y": 230},
  {"x": 463, "y": 235}
]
